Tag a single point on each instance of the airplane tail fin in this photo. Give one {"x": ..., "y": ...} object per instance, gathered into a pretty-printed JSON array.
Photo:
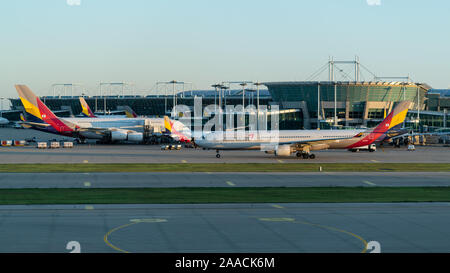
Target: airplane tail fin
[
  {"x": 129, "y": 112},
  {"x": 392, "y": 122},
  {"x": 85, "y": 109},
  {"x": 167, "y": 124},
  {"x": 36, "y": 111},
  {"x": 395, "y": 118},
  {"x": 176, "y": 130}
]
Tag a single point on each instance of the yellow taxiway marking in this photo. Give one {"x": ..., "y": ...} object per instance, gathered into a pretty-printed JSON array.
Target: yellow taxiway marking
[
  {"x": 280, "y": 161},
  {"x": 87, "y": 184},
  {"x": 375, "y": 161},
  {"x": 85, "y": 161},
  {"x": 105, "y": 238},
  {"x": 277, "y": 206},
  {"x": 88, "y": 207},
  {"x": 133, "y": 222},
  {"x": 231, "y": 183},
  {"x": 183, "y": 161},
  {"x": 369, "y": 183},
  {"x": 338, "y": 230},
  {"x": 292, "y": 220}
]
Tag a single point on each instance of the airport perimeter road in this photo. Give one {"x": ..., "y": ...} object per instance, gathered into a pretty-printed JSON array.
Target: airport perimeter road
[
  {"x": 398, "y": 227},
  {"x": 153, "y": 154},
  {"x": 163, "y": 180}
]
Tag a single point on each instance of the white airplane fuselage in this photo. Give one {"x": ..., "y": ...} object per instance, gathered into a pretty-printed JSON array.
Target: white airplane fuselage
[{"x": 254, "y": 140}]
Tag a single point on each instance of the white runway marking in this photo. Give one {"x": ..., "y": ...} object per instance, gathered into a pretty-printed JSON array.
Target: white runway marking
[
  {"x": 231, "y": 183},
  {"x": 369, "y": 183}
]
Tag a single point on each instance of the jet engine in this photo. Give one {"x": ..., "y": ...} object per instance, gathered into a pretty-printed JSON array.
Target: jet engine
[
  {"x": 283, "y": 150},
  {"x": 135, "y": 137},
  {"x": 123, "y": 135},
  {"x": 119, "y": 135}
]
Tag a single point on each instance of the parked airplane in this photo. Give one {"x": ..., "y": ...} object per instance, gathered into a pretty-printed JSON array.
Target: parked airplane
[
  {"x": 38, "y": 116},
  {"x": 87, "y": 112},
  {"x": 302, "y": 142}
]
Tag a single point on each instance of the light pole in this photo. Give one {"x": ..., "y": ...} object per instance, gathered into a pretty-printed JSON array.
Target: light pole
[
  {"x": 243, "y": 94},
  {"x": 2, "y": 98},
  {"x": 257, "y": 95},
  {"x": 318, "y": 105},
  {"x": 215, "y": 96},
  {"x": 418, "y": 108},
  {"x": 173, "y": 82},
  {"x": 222, "y": 88},
  {"x": 335, "y": 106}
]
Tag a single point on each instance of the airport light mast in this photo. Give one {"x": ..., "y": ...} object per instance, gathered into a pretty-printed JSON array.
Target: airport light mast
[
  {"x": 215, "y": 96},
  {"x": 65, "y": 86},
  {"x": 243, "y": 94},
  {"x": 174, "y": 97},
  {"x": 223, "y": 94},
  {"x": 257, "y": 98}
]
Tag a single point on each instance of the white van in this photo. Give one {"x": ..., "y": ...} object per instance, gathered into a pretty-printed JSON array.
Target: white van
[{"x": 370, "y": 148}]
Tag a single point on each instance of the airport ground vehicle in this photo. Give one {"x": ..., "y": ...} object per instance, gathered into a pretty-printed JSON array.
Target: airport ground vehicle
[{"x": 371, "y": 148}]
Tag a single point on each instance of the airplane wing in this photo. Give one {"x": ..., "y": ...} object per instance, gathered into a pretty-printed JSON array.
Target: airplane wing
[
  {"x": 34, "y": 124},
  {"x": 312, "y": 141},
  {"x": 103, "y": 131}
]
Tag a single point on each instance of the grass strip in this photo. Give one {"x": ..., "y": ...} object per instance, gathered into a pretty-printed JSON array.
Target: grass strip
[
  {"x": 226, "y": 167},
  {"x": 224, "y": 195}
]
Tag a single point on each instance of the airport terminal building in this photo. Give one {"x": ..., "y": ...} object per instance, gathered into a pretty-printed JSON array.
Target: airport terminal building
[{"x": 353, "y": 103}]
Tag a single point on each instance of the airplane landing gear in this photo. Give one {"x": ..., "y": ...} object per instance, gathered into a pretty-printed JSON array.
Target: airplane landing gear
[
  {"x": 305, "y": 155},
  {"x": 217, "y": 154}
]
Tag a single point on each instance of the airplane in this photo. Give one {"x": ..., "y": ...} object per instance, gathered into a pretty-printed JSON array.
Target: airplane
[
  {"x": 87, "y": 112},
  {"x": 39, "y": 117},
  {"x": 302, "y": 142}
]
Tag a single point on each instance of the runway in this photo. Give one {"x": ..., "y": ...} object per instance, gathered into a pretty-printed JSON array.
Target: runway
[
  {"x": 399, "y": 227},
  {"x": 166, "y": 180}
]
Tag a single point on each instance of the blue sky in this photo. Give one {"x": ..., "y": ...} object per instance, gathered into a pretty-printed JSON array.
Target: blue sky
[{"x": 206, "y": 41}]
